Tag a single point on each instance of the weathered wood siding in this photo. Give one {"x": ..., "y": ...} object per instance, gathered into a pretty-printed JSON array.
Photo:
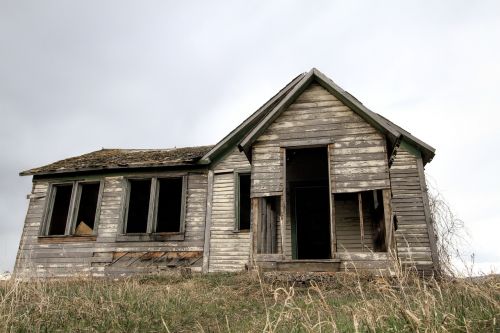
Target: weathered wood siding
[
  {"x": 359, "y": 157},
  {"x": 348, "y": 229},
  {"x": 412, "y": 236},
  {"x": 106, "y": 255},
  {"x": 229, "y": 249}
]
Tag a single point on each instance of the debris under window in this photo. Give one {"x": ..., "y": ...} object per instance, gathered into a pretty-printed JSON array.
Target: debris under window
[{"x": 89, "y": 194}]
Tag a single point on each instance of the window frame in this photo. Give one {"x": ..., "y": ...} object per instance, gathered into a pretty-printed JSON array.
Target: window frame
[
  {"x": 237, "y": 174},
  {"x": 76, "y": 192},
  {"x": 151, "y": 234}
]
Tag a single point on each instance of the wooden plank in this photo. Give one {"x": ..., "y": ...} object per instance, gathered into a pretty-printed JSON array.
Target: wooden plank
[
  {"x": 361, "y": 226},
  {"x": 389, "y": 228},
  {"x": 283, "y": 199},
  {"x": 208, "y": 223},
  {"x": 333, "y": 237}
]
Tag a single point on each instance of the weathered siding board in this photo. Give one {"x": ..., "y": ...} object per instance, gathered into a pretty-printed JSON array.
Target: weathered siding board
[
  {"x": 229, "y": 250},
  {"x": 359, "y": 158},
  {"x": 412, "y": 237},
  {"x": 56, "y": 258}
]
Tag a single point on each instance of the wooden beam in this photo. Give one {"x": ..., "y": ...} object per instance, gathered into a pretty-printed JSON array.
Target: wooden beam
[
  {"x": 361, "y": 224},
  {"x": 208, "y": 223},
  {"x": 388, "y": 227},
  {"x": 254, "y": 227},
  {"x": 333, "y": 234},
  {"x": 283, "y": 202}
]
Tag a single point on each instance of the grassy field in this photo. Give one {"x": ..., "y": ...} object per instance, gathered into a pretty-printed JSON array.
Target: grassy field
[{"x": 253, "y": 303}]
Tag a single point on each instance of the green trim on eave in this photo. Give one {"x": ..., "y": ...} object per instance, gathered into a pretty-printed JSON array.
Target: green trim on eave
[{"x": 410, "y": 148}]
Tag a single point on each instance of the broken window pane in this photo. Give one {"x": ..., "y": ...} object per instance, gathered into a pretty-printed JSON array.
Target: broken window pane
[
  {"x": 244, "y": 202},
  {"x": 60, "y": 209},
  {"x": 87, "y": 209},
  {"x": 138, "y": 206},
  {"x": 169, "y": 205}
]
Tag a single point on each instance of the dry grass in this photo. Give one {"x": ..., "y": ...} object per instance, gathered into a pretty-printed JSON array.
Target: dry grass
[{"x": 249, "y": 302}]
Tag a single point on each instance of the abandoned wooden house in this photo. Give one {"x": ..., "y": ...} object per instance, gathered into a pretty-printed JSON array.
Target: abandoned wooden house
[{"x": 311, "y": 181}]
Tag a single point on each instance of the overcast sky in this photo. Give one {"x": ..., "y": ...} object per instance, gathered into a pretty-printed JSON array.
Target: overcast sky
[{"x": 76, "y": 76}]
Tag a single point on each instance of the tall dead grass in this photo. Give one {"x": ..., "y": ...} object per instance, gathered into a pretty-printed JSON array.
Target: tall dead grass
[{"x": 346, "y": 302}]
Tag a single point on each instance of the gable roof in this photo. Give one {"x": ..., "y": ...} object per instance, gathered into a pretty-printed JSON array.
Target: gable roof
[
  {"x": 115, "y": 159},
  {"x": 246, "y": 134}
]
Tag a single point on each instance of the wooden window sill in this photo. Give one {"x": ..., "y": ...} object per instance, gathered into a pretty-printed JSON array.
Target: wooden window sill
[
  {"x": 244, "y": 231},
  {"x": 161, "y": 236},
  {"x": 66, "y": 239}
]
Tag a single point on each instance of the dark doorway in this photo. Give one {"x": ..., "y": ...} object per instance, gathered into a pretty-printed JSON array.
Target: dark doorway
[{"x": 307, "y": 178}]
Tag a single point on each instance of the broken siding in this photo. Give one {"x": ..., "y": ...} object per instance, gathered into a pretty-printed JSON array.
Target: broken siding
[
  {"x": 359, "y": 154},
  {"x": 52, "y": 257},
  {"x": 229, "y": 249},
  {"x": 412, "y": 236}
]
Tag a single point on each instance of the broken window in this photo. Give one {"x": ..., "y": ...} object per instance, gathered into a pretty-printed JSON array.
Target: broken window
[
  {"x": 269, "y": 215},
  {"x": 79, "y": 221},
  {"x": 243, "y": 201},
  {"x": 155, "y": 205},
  {"x": 359, "y": 221},
  {"x": 168, "y": 218}
]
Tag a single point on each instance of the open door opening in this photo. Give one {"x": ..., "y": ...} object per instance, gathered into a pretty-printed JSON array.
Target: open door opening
[{"x": 307, "y": 178}]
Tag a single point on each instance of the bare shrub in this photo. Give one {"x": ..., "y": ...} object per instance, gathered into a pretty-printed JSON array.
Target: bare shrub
[{"x": 450, "y": 231}]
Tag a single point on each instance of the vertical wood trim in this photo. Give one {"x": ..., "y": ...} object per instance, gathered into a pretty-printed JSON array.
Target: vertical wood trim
[
  {"x": 387, "y": 219},
  {"x": 261, "y": 241},
  {"x": 125, "y": 202},
  {"x": 254, "y": 226},
  {"x": 361, "y": 222},
  {"x": 49, "y": 205},
  {"x": 208, "y": 222},
  {"x": 98, "y": 208},
  {"x": 333, "y": 235},
  {"x": 71, "y": 211},
  {"x": 283, "y": 202},
  {"x": 184, "y": 193},
  {"x": 428, "y": 217},
  {"x": 151, "y": 225},
  {"x": 76, "y": 207},
  {"x": 236, "y": 190}
]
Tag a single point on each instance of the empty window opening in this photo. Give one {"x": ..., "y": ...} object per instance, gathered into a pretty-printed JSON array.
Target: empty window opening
[
  {"x": 269, "y": 215},
  {"x": 169, "y": 205},
  {"x": 307, "y": 179},
  {"x": 359, "y": 221},
  {"x": 243, "y": 202},
  {"x": 138, "y": 207},
  {"x": 87, "y": 208},
  {"x": 60, "y": 209}
]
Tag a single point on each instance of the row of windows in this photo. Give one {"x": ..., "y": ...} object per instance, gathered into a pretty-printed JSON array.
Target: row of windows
[{"x": 153, "y": 205}]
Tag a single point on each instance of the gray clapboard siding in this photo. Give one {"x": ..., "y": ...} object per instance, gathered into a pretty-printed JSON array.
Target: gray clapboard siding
[
  {"x": 50, "y": 257},
  {"x": 412, "y": 236},
  {"x": 229, "y": 249},
  {"x": 359, "y": 158}
]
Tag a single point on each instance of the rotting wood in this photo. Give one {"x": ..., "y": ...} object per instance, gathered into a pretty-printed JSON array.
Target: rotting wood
[
  {"x": 361, "y": 223},
  {"x": 208, "y": 223}
]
